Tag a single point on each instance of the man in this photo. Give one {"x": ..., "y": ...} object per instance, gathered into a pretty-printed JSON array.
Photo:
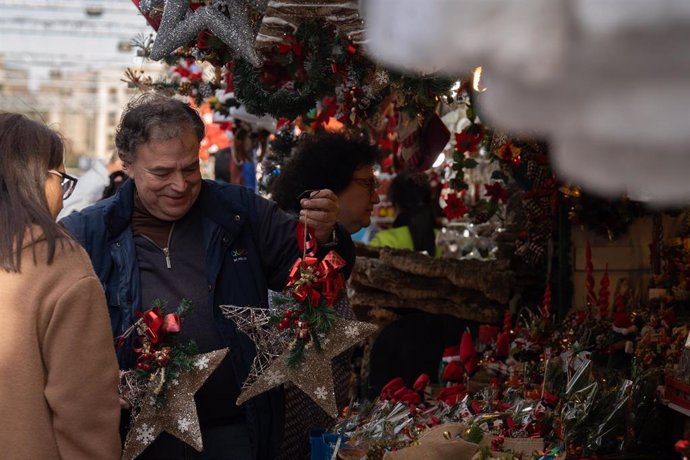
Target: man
[{"x": 168, "y": 234}]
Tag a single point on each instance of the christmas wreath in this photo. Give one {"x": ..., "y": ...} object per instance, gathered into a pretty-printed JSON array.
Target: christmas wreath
[{"x": 303, "y": 62}]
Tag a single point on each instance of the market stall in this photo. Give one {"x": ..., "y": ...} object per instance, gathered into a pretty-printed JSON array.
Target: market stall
[{"x": 570, "y": 309}]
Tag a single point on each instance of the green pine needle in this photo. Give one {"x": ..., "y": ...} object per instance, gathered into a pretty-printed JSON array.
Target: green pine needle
[{"x": 296, "y": 356}]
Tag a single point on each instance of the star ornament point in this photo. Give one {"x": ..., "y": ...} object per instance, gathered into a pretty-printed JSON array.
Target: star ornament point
[
  {"x": 315, "y": 375},
  {"x": 178, "y": 28}
]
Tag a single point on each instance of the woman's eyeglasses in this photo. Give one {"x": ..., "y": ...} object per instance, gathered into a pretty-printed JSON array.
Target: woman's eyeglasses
[
  {"x": 67, "y": 183},
  {"x": 370, "y": 183}
]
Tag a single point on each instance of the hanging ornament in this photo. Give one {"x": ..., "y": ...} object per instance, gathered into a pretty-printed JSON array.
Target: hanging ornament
[
  {"x": 422, "y": 138},
  {"x": 178, "y": 28},
  {"x": 285, "y": 17},
  {"x": 177, "y": 415},
  {"x": 314, "y": 376}
]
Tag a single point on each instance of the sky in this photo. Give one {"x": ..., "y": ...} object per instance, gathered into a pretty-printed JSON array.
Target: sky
[{"x": 68, "y": 34}]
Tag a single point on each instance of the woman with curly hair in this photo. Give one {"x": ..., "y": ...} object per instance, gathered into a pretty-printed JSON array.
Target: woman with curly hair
[{"x": 338, "y": 162}]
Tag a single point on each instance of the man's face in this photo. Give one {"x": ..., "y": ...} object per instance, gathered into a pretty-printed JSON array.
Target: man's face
[{"x": 166, "y": 174}]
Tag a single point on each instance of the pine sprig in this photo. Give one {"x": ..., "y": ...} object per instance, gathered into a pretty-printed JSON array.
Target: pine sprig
[
  {"x": 321, "y": 319},
  {"x": 296, "y": 356}
]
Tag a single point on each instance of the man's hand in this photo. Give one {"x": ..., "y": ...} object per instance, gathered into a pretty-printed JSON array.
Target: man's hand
[{"x": 320, "y": 213}]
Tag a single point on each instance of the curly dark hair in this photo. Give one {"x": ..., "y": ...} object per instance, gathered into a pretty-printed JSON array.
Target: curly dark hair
[
  {"x": 150, "y": 112},
  {"x": 324, "y": 160}
]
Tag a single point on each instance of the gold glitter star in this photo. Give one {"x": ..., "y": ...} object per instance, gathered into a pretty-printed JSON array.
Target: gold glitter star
[
  {"x": 178, "y": 414},
  {"x": 178, "y": 29},
  {"x": 315, "y": 375}
]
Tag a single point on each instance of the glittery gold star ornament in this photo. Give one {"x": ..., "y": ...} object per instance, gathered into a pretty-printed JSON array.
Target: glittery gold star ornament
[
  {"x": 285, "y": 16},
  {"x": 178, "y": 414},
  {"x": 315, "y": 375},
  {"x": 179, "y": 26},
  {"x": 254, "y": 323}
]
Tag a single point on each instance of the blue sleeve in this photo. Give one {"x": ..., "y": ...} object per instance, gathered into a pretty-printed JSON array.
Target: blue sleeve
[{"x": 276, "y": 236}]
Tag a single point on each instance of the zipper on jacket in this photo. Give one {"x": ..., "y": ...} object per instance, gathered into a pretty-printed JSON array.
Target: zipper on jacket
[{"x": 166, "y": 250}]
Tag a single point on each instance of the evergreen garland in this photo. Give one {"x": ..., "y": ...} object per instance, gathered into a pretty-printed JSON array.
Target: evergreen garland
[{"x": 283, "y": 102}]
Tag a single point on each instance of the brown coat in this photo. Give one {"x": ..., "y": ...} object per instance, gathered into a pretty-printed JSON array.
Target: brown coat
[{"x": 58, "y": 371}]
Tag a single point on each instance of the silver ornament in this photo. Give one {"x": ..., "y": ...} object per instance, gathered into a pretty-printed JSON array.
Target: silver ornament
[{"x": 178, "y": 29}]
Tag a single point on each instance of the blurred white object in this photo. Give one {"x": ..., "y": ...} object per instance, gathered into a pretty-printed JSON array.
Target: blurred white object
[
  {"x": 455, "y": 36},
  {"x": 607, "y": 81},
  {"x": 240, "y": 113}
]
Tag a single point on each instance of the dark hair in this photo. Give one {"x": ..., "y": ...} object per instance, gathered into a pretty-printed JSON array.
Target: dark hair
[
  {"x": 411, "y": 195},
  {"x": 324, "y": 160},
  {"x": 28, "y": 149},
  {"x": 153, "y": 114},
  {"x": 115, "y": 181}
]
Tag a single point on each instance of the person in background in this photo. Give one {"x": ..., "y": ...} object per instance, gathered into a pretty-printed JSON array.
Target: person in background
[
  {"x": 221, "y": 165},
  {"x": 169, "y": 234},
  {"x": 91, "y": 185},
  {"x": 117, "y": 178},
  {"x": 58, "y": 390},
  {"x": 345, "y": 165},
  {"x": 415, "y": 221},
  {"x": 241, "y": 153}
]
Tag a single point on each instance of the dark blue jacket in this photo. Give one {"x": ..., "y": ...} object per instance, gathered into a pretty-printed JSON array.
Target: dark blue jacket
[{"x": 250, "y": 245}]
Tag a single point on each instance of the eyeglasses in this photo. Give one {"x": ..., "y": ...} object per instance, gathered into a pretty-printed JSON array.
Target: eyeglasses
[
  {"x": 371, "y": 183},
  {"x": 67, "y": 183}
]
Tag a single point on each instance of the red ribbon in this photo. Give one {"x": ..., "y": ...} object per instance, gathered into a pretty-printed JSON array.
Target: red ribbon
[
  {"x": 157, "y": 325},
  {"x": 311, "y": 279},
  {"x": 311, "y": 245}
]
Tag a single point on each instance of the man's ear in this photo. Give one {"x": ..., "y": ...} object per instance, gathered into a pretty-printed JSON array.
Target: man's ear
[{"x": 127, "y": 168}]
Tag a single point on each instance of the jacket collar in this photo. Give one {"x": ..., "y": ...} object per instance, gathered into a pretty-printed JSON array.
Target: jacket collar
[{"x": 224, "y": 204}]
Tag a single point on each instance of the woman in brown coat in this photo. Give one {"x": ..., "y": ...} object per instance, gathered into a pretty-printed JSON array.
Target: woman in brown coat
[{"x": 58, "y": 372}]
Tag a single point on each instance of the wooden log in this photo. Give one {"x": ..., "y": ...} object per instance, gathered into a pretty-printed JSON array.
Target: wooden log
[
  {"x": 374, "y": 273},
  {"x": 493, "y": 278},
  {"x": 363, "y": 296}
]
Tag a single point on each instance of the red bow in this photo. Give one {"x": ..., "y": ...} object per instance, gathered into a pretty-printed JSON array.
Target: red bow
[
  {"x": 156, "y": 326},
  {"x": 302, "y": 278},
  {"x": 312, "y": 279}
]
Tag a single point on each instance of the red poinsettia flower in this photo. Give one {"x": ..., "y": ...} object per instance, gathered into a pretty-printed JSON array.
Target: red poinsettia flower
[
  {"x": 496, "y": 192},
  {"x": 455, "y": 208},
  {"x": 468, "y": 140}
]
